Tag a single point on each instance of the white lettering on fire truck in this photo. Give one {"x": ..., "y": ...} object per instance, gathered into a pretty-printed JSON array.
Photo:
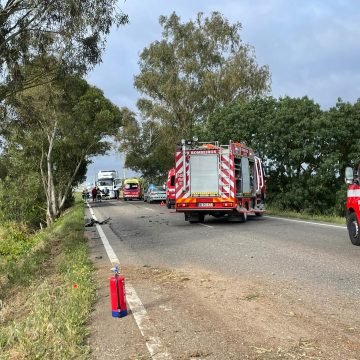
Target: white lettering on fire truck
[{"x": 192, "y": 152}]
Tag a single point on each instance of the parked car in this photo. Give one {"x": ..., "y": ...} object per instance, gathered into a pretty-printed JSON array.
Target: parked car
[{"x": 155, "y": 193}]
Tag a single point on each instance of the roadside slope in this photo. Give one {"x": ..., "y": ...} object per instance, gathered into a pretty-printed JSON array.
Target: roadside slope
[{"x": 50, "y": 295}]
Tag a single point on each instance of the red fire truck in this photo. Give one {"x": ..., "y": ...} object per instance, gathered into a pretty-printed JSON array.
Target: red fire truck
[
  {"x": 170, "y": 189},
  {"x": 353, "y": 204},
  {"x": 219, "y": 180}
]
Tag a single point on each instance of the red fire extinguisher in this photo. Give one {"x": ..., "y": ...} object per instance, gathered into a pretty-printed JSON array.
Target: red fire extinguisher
[{"x": 117, "y": 294}]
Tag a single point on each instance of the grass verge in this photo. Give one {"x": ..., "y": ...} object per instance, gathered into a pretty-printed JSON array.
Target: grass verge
[
  {"x": 304, "y": 216},
  {"x": 49, "y": 295}
]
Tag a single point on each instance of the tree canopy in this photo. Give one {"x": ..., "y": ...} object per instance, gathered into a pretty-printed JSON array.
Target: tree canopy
[
  {"x": 60, "y": 124},
  {"x": 196, "y": 67},
  {"x": 74, "y": 32},
  {"x": 307, "y": 148}
]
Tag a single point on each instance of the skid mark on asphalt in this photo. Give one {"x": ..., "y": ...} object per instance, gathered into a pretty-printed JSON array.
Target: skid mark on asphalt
[{"x": 156, "y": 349}]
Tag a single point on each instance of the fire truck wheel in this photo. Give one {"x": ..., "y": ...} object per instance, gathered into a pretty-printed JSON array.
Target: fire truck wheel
[
  {"x": 259, "y": 214},
  {"x": 194, "y": 218},
  {"x": 243, "y": 217},
  {"x": 353, "y": 228},
  {"x": 168, "y": 204}
]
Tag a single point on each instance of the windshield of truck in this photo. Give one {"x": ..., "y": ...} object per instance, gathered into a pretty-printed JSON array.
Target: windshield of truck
[
  {"x": 131, "y": 186},
  {"x": 105, "y": 182}
]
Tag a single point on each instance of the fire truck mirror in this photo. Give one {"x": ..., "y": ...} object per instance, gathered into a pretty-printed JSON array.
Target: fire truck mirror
[
  {"x": 349, "y": 175},
  {"x": 267, "y": 171}
]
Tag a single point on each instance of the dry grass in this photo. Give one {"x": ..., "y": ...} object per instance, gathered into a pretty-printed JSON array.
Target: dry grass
[{"x": 304, "y": 216}]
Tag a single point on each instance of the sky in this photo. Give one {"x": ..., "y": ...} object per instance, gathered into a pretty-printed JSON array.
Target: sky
[{"x": 312, "y": 48}]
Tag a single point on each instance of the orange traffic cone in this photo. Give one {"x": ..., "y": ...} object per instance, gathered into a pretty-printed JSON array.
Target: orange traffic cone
[{"x": 162, "y": 203}]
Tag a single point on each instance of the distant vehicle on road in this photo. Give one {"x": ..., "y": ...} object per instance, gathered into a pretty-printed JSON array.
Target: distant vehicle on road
[
  {"x": 155, "y": 193},
  {"x": 108, "y": 183},
  {"x": 132, "y": 189},
  {"x": 353, "y": 204},
  {"x": 170, "y": 189}
]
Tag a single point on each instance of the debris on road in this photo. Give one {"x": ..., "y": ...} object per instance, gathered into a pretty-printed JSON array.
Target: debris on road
[{"x": 92, "y": 222}]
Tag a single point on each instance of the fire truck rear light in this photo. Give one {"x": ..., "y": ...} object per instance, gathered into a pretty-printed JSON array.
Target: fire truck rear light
[
  {"x": 230, "y": 204},
  {"x": 182, "y": 205}
]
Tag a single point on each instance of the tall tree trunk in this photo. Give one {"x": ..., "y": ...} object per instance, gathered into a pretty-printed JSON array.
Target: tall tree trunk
[{"x": 52, "y": 210}]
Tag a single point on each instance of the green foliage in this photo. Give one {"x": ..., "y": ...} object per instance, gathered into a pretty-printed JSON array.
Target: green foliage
[
  {"x": 307, "y": 149},
  {"x": 53, "y": 129},
  {"x": 196, "y": 67},
  {"x": 15, "y": 240},
  {"x": 74, "y": 32},
  {"x": 22, "y": 197}
]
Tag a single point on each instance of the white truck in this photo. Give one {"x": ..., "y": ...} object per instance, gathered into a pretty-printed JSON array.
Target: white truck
[{"x": 109, "y": 183}]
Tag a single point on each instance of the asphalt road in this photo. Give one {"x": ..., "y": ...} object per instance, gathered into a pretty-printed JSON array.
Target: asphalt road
[{"x": 318, "y": 255}]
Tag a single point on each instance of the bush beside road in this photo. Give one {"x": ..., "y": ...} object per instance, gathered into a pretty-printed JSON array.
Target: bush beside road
[{"x": 48, "y": 293}]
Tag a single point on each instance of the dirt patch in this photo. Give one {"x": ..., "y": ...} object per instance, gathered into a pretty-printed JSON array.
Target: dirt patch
[{"x": 201, "y": 315}]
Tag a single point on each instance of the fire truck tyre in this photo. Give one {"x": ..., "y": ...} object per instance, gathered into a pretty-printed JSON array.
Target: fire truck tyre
[
  {"x": 125, "y": 199},
  {"x": 259, "y": 214},
  {"x": 168, "y": 204},
  {"x": 192, "y": 218},
  {"x": 243, "y": 217},
  {"x": 353, "y": 228}
]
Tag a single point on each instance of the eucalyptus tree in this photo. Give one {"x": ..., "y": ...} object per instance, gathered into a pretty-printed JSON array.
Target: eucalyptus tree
[
  {"x": 63, "y": 122},
  {"x": 196, "y": 67},
  {"x": 72, "y": 31}
]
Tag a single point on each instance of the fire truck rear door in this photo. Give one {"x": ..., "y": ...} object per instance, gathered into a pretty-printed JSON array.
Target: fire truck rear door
[
  {"x": 245, "y": 175},
  {"x": 204, "y": 176}
]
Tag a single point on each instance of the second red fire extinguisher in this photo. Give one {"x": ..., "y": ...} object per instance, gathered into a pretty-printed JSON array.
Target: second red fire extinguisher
[{"x": 117, "y": 294}]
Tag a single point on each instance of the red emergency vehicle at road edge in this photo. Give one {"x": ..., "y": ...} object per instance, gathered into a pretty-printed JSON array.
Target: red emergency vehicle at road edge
[{"x": 353, "y": 204}]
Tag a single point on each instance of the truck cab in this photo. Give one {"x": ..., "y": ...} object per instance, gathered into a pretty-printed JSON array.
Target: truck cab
[
  {"x": 353, "y": 204},
  {"x": 170, "y": 189},
  {"x": 106, "y": 183}
]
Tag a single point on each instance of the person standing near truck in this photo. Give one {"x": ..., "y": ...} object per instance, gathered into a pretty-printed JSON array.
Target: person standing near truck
[{"x": 94, "y": 193}]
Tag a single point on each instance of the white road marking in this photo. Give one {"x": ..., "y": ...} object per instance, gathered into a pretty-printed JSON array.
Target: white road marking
[
  {"x": 205, "y": 225},
  {"x": 307, "y": 222},
  {"x": 156, "y": 349},
  {"x": 149, "y": 209},
  {"x": 109, "y": 250}
]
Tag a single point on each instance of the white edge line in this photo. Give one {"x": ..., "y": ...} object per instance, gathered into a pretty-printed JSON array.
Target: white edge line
[
  {"x": 153, "y": 343},
  {"x": 307, "y": 222}
]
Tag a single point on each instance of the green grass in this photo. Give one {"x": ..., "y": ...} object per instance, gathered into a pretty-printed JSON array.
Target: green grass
[
  {"x": 49, "y": 295},
  {"x": 304, "y": 216}
]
